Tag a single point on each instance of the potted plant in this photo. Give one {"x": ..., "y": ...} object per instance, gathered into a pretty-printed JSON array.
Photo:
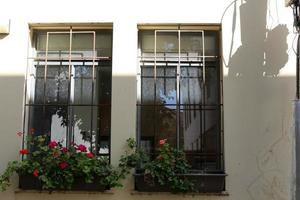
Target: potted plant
[
  {"x": 51, "y": 166},
  {"x": 169, "y": 171}
]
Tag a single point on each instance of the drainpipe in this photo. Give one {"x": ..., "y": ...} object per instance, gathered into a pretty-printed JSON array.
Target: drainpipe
[{"x": 296, "y": 184}]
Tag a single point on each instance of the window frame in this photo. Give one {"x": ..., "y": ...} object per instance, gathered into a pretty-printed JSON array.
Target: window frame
[
  {"x": 70, "y": 29},
  {"x": 184, "y": 28}
]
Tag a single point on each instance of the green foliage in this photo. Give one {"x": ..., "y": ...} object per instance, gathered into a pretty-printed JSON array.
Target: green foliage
[
  {"x": 57, "y": 167},
  {"x": 168, "y": 169}
]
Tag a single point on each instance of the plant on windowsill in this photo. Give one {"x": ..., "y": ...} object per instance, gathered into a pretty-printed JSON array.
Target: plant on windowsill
[
  {"x": 167, "y": 172},
  {"x": 50, "y": 166}
]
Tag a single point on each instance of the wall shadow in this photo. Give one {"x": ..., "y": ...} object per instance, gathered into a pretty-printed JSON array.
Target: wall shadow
[
  {"x": 264, "y": 51},
  {"x": 258, "y": 107}
]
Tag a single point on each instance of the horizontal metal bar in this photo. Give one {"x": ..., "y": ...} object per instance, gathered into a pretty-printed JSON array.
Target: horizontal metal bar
[
  {"x": 66, "y": 105},
  {"x": 68, "y": 32},
  {"x": 177, "y": 56},
  {"x": 73, "y": 58}
]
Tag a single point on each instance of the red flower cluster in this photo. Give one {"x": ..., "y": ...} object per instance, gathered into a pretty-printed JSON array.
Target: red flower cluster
[
  {"x": 52, "y": 144},
  {"x": 63, "y": 165},
  {"x": 64, "y": 150},
  {"x": 90, "y": 155},
  {"x": 81, "y": 148},
  {"x": 163, "y": 141},
  {"x": 35, "y": 173},
  {"x": 24, "y": 151}
]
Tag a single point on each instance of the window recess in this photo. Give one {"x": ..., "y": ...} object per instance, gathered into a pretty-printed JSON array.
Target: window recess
[
  {"x": 179, "y": 94},
  {"x": 68, "y": 87}
]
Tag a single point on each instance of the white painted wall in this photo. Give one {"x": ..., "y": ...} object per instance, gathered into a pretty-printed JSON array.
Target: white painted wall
[{"x": 259, "y": 84}]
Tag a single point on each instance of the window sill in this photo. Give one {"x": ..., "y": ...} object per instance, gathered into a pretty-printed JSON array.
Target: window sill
[
  {"x": 203, "y": 184},
  {"x": 21, "y": 191},
  {"x": 223, "y": 193},
  {"x": 30, "y": 183}
]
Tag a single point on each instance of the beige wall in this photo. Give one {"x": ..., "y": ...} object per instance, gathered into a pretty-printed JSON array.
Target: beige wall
[{"x": 259, "y": 85}]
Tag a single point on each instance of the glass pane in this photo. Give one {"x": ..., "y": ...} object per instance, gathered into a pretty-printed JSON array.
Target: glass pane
[
  {"x": 166, "y": 71},
  {"x": 82, "y": 125},
  {"x": 200, "y": 135},
  {"x": 57, "y": 84},
  {"x": 82, "y": 90},
  {"x": 50, "y": 120},
  {"x": 166, "y": 91},
  {"x": 166, "y": 124},
  {"x": 83, "y": 71},
  {"x": 39, "y": 91},
  {"x": 103, "y": 129},
  {"x": 191, "y": 71},
  {"x": 104, "y": 43},
  {"x": 147, "y": 121},
  {"x": 191, "y": 42},
  {"x": 103, "y": 84},
  {"x": 82, "y": 45},
  {"x": 212, "y": 86},
  {"x": 157, "y": 123},
  {"x": 58, "y": 45},
  {"x": 147, "y": 91},
  {"x": 191, "y": 91},
  {"x": 167, "y": 42},
  {"x": 146, "y": 41},
  {"x": 147, "y": 70},
  {"x": 211, "y": 39}
]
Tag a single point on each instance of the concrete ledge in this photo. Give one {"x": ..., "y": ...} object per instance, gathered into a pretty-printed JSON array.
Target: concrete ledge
[
  {"x": 225, "y": 193},
  {"x": 20, "y": 191}
]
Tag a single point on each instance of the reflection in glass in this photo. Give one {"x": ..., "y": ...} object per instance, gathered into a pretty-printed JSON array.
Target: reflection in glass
[
  {"x": 61, "y": 104},
  {"x": 176, "y": 103}
]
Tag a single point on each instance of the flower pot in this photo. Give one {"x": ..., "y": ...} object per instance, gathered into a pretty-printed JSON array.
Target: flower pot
[
  {"x": 29, "y": 182},
  {"x": 210, "y": 182}
]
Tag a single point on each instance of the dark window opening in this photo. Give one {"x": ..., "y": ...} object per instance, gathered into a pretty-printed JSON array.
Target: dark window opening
[
  {"x": 68, "y": 88},
  {"x": 179, "y": 95}
]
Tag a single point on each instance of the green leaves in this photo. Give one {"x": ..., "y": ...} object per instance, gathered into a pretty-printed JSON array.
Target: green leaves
[
  {"x": 57, "y": 167},
  {"x": 168, "y": 168}
]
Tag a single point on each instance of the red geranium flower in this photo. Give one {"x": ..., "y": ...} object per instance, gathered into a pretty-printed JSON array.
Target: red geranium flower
[
  {"x": 64, "y": 150},
  {"x": 90, "y": 155},
  {"x": 24, "y": 151},
  {"x": 36, "y": 173},
  {"x": 162, "y": 142},
  {"x": 63, "y": 165},
  {"x": 52, "y": 144},
  {"x": 81, "y": 148}
]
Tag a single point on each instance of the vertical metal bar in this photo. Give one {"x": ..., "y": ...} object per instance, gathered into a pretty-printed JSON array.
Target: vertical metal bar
[
  {"x": 203, "y": 53},
  {"x": 93, "y": 89},
  {"x": 139, "y": 91},
  {"x": 177, "y": 92},
  {"x": 155, "y": 40},
  {"x": 297, "y": 68},
  {"x": 69, "y": 135}
]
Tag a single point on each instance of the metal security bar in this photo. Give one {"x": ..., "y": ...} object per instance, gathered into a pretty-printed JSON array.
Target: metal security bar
[
  {"x": 162, "y": 63},
  {"x": 67, "y": 59}
]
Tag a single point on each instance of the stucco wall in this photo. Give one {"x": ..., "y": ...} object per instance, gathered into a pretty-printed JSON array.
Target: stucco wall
[{"x": 259, "y": 85}]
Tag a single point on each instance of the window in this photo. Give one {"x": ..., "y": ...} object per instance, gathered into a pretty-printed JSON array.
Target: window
[
  {"x": 68, "y": 86},
  {"x": 179, "y": 93}
]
